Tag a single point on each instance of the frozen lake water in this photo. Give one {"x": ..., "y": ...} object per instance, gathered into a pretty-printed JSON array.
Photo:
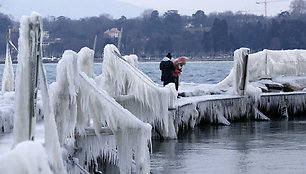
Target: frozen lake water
[{"x": 278, "y": 146}]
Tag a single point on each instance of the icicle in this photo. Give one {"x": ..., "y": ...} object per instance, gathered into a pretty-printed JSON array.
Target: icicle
[
  {"x": 8, "y": 73},
  {"x": 259, "y": 115}
]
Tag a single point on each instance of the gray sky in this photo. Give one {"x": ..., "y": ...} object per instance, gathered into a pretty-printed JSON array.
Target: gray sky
[{"x": 131, "y": 8}]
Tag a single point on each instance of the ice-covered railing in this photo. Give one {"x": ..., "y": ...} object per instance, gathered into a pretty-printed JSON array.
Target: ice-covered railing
[
  {"x": 121, "y": 78},
  {"x": 79, "y": 104},
  {"x": 270, "y": 63},
  {"x": 132, "y": 135}
]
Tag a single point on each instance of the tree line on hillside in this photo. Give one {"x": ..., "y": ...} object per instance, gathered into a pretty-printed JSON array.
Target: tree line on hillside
[{"x": 154, "y": 34}]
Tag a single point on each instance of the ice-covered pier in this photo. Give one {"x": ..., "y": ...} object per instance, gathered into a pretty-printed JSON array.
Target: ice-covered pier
[
  {"x": 82, "y": 117},
  {"x": 224, "y": 109}
]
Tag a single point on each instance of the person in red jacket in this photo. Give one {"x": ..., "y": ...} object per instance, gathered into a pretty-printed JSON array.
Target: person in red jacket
[{"x": 178, "y": 63}]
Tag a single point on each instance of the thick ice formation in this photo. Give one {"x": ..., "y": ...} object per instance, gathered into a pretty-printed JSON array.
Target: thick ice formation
[
  {"x": 85, "y": 64},
  {"x": 269, "y": 63},
  {"x": 240, "y": 70},
  {"x": 132, "y": 135},
  {"x": 26, "y": 157},
  {"x": 77, "y": 101},
  {"x": 272, "y": 64},
  {"x": 8, "y": 73},
  {"x": 85, "y": 61},
  {"x": 120, "y": 78},
  {"x": 26, "y": 92},
  {"x": 63, "y": 93},
  {"x": 24, "y": 80},
  {"x": 132, "y": 59}
]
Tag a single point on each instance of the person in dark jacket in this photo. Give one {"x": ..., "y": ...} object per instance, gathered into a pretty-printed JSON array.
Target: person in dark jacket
[{"x": 167, "y": 67}]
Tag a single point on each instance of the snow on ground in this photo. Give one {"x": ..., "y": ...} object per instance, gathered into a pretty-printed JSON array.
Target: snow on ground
[
  {"x": 6, "y": 111},
  {"x": 25, "y": 157}
]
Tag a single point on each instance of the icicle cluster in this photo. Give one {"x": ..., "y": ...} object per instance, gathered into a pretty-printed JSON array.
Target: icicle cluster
[
  {"x": 214, "y": 109},
  {"x": 295, "y": 101},
  {"x": 131, "y": 134},
  {"x": 120, "y": 78},
  {"x": 94, "y": 147}
]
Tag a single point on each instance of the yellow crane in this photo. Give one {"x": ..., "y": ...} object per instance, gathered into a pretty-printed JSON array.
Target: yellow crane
[{"x": 265, "y": 2}]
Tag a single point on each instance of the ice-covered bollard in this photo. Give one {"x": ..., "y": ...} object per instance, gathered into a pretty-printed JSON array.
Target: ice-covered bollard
[{"x": 240, "y": 79}]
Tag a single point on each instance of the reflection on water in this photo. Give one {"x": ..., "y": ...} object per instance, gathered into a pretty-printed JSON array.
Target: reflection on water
[{"x": 249, "y": 147}]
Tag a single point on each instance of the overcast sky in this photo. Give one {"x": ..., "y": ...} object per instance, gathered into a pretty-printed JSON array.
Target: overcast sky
[{"x": 132, "y": 8}]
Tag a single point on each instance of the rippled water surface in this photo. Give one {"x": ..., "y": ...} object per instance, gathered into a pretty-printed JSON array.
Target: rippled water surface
[{"x": 246, "y": 147}]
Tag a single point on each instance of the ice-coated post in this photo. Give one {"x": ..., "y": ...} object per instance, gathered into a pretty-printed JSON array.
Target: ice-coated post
[
  {"x": 241, "y": 71},
  {"x": 35, "y": 46},
  {"x": 29, "y": 44}
]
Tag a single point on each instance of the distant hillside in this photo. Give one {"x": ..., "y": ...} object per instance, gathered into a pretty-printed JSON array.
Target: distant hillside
[{"x": 154, "y": 34}]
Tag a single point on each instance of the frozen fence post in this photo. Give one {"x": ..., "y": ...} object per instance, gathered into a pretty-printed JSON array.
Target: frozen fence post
[
  {"x": 29, "y": 64},
  {"x": 241, "y": 72},
  {"x": 29, "y": 44}
]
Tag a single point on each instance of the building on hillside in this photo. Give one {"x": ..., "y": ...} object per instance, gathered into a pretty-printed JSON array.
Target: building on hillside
[{"x": 112, "y": 33}]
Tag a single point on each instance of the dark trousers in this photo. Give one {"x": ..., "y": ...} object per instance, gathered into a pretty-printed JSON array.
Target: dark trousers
[
  {"x": 176, "y": 81},
  {"x": 166, "y": 82}
]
